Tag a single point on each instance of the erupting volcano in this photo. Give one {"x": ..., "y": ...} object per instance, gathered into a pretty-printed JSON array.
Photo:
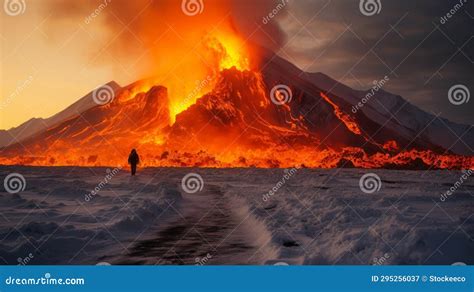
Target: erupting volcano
[
  {"x": 200, "y": 140},
  {"x": 248, "y": 108}
]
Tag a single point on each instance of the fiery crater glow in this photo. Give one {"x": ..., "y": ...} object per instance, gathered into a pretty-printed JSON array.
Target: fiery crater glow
[
  {"x": 217, "y": 52},
  {"x": 230, "y": 51}
]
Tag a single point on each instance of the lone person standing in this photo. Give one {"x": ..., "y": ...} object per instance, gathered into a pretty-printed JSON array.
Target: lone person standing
[{"x": 133, "y": 160}]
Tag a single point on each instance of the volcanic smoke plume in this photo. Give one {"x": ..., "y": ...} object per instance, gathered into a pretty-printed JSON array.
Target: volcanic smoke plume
[
  {"x": 220, "y": 97},
  {"x": 179, "y": 42}
]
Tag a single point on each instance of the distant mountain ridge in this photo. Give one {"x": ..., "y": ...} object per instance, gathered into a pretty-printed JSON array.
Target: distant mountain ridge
[
  {"x": 401, "y": 116},
  {"x": 36, "y": 125}
]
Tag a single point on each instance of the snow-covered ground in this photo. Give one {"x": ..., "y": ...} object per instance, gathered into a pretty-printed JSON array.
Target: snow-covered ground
[{"x": 240, "y": 216}]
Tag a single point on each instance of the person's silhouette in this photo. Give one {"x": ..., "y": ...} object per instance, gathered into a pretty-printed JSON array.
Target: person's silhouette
[{"x": 133, "y": 160}]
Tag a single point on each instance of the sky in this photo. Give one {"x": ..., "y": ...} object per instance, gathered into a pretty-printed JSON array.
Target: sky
[{"x": 52, "y": 56}]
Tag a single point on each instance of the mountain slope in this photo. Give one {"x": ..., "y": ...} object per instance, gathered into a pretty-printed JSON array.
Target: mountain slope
[
  {"x": 401, "y": 116},
  {"x": 36, "y": 125}
]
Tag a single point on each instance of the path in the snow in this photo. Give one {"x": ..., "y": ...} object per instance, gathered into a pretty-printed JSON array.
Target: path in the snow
[{"x": 206, "y": 231}]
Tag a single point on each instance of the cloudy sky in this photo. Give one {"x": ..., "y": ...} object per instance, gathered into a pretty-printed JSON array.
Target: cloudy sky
[
  {"x": 406, "y": 41},
  {"x": 51, "y": 57}
]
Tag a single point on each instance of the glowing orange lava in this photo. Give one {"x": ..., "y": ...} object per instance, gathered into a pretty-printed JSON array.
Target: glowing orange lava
[{"x": 214, "y": 110}]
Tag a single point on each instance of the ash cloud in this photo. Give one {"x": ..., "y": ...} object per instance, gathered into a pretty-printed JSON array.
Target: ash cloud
[{"x": 148, "y": 20}]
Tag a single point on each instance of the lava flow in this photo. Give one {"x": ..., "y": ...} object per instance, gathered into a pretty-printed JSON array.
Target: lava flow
[{"x": 219, "y": 112}]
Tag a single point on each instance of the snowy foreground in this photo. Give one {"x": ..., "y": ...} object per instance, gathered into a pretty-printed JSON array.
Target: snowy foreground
[{"x": 235, "y": 216}]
